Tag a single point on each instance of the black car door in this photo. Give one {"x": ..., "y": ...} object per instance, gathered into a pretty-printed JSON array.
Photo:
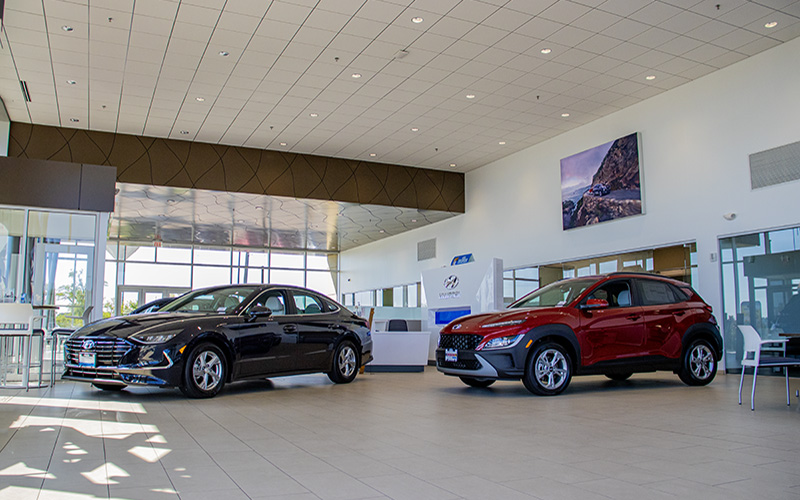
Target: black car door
[
  {"x": 267, "y": 344},
  {"x": 318, "y": 330}
]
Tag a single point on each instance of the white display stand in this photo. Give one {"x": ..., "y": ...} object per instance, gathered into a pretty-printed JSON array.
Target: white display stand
[
  {"x": 459, "y": 290},
  {"x": 399, "y": 351}
]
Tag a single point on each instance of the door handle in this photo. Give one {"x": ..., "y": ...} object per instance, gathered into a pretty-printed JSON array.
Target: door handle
[
  {"x": 679, "y": 313},
  {"x": 290, "y": 328},
  {"x": 632, "y": 317}
]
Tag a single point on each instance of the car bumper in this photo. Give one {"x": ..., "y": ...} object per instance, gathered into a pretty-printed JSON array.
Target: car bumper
[
  {"x": 495, "y": 364},
  {"x": 138, "y": 365}
]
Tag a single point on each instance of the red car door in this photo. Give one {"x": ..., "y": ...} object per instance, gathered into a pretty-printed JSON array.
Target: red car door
[
  {"x": 666, "y": 317},
  {"x": 613, "y": 332}
]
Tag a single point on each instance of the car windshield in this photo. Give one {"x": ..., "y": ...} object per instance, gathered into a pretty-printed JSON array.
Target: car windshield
[
  {"x": 555, "y": 294},
  {"x": 216, "y": 300}
]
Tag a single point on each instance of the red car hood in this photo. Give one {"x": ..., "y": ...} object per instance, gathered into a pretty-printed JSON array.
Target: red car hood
[{"x": 477, "y": 323}]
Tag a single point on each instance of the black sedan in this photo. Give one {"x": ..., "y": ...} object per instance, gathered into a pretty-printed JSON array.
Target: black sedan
[{"x": 209, "y": 337}]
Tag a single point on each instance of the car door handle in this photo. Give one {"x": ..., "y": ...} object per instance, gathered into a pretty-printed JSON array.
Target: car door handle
[
  {"x": 290, "y": 328},
  {"x": 679, "y": 313},
  {"x": 632, "y": 317}
]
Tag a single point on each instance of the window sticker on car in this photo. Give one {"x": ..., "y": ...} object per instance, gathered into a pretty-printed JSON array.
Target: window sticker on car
[{"x": 560, "y": 303}]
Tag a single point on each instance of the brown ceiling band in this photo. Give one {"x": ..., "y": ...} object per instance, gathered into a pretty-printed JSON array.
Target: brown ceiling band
[{"x": 185, "y": 164}]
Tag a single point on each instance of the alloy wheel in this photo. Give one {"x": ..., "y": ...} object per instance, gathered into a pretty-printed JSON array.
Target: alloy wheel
[
  {"x": 207, "y": 370},
  {"x": 551, "y": 369}
]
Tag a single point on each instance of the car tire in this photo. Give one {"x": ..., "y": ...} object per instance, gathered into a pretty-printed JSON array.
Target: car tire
[
  {"x": 548, "y": 370},
  {"x": 108, "y": 387},
  {"x": 619, "y": 377},
  {"x": 204, "y": 371},
  {"x": 477, "y": 382},
  {"x": 344, "y": 364},
  {"x": 699, "y": 363}
]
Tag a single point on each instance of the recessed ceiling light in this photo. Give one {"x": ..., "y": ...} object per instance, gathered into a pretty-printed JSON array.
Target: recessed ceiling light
[
  {"x": 771, "y": 24},
  {"x": 416, "y": 20},
  {"x": 356, "y": 75},
  {"x": 74, "y": 120},
  {"x": 413, "y": 220},
  {"x": 71, "y": 82},
  {"x": 224, "y": 53},
  {"x": 200, "y": 99},
  {"x": 313, "y": 115},
  {"x": 240, "y": 221},
  {"x": 184, "y": 132},
  {"x": 259, "y": 207},
  {"x": 470, "y": 96},
  {"x": 67, "y": 28},
  {"x": 452, "y": 164},
  {"x": 502, "y": 143},
  {"x": 546, "y": 51},
  {"x": 414, "y": 129},
  {"x": 564, "y": 115},
  {"x": 283, "y": 144},
  {"x": 170, "y": 201},
  {"x": 373, "y": 155},
  {"x": 382, "y": 231},
  {"x": 650, "y": 77}
]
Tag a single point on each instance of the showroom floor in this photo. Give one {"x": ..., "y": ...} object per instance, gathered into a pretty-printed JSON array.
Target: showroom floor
[{"x": 403, "y": 436}]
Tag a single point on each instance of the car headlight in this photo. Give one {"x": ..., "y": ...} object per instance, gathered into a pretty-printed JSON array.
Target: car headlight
[
  {"x": 504, "y": 323},
  {"x": 155, "y": 337},
  {"x": 501, "y": 342}
]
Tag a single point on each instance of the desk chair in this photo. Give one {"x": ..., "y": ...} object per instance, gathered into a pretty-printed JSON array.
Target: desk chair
[
  {"x": 16, "y": 344},
  {"x": 752, "y": 357}
]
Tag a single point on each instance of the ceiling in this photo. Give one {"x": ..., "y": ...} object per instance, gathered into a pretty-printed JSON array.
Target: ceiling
[
  {"x": 471, "y": 82},
  {"x": 141, "y": 67},
  {"x": 145, "y": 213}
]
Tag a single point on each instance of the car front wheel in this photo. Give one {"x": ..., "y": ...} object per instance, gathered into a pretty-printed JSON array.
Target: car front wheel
[
  {"x": 548, "y": 370},
  {"x": 345, "y": 363},
  {"x": 204, "y": 371},
  {"x": 699, "y": 364}
]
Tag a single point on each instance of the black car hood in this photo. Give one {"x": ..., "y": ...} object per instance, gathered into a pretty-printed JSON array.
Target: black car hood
[{"x": 125, "y": 326}]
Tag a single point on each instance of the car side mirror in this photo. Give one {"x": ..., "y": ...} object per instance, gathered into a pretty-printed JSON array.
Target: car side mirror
[
  {"x": 594, "y": 304},
  {"x": 259, "y": 312}
]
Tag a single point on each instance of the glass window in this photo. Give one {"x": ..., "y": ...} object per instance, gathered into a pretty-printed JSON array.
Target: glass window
[
  {"x": 203, "y": 276},
  {"x": 272, "y": 300},
  {"x": 285, "y": 277},
  {"x": 531, "y": 273},
  {"x": 287, "y": 260},
  {"x": 413, "y": 295},
  {"x": 322, "y": 261},
  {"x": 556, "y": 294},
  {"x": 616, "y": 293},
  {"x": 211, "y": 256},
  {"x": 306, "y": 303},
  {"x": 256, "y": 259},
  {"x": 321, "y": 281},
  {"x": 174, "y": 255},
  {"x": 137, "y": 273},
  {"x": 140, "y": 254},
  {"x": 12, "y": 229},
  {"x": 221, "y": 300},
  {"x": 656, "y": 292}
]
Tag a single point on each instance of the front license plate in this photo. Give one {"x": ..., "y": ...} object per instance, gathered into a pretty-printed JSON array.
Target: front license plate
[
  {"x": 451, "y": 355},
  {"x": 86, "y": 359}
]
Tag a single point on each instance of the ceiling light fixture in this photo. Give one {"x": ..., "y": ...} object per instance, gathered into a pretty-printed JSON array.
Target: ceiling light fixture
[
  {"x": 546, "y": 51},
  {"x": 416, "y": 20},
  {"x": 71, "y": 82},
  {"x": 650, "y": 77},
  {"x": 185, "y": 132},
  {"x": 452, "y": 164},
  {"x": 224, "y": 53},
  {"x": 413, "y": 220},
  {"x": 313, "y": 115},
  {"x": 400, "y": 54},
  {"x": 283, "y": 144},
  {"x": 74, "y": 120},
  {"x": 200, "y": 99},
  {"x": 502, "y": 143},
  {"x": 771, "y": 24},
  {"x": 356, "y": 75},
  {"x": 470, "y": 96},
  {"x": 67, "y": 28},
  {"x": 259, "y": 207},
  {"x": 564, "y": 115},
  {"x": 414, "y": 129},
  {"x": 373, "y": 155}
]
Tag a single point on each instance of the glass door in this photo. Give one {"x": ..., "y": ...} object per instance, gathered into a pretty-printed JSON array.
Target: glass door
[
  {"x": 130, "y": 297},
  {"x": 62, "y": 277}
]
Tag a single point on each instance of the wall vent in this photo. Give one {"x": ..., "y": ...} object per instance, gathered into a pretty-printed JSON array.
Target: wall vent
[
  {"x": 775, "y": 166},
  {"x": 426, "y": 249}
]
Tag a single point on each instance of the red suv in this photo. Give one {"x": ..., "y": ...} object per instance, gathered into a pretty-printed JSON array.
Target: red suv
[{"x": 615, "y": 324}]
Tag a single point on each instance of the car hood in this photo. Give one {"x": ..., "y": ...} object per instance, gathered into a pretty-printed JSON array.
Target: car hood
[
  {"x": 478, "y": 323},
  {"x": 125, "y": 326}
]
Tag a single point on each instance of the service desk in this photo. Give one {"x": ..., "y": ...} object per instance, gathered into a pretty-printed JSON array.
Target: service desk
[{"x": 399, "y": 351}]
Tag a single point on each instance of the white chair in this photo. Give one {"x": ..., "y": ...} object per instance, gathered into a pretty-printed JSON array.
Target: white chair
[
  {"x": 16, "y": 339},
  {"x": 752, "y": 357}
]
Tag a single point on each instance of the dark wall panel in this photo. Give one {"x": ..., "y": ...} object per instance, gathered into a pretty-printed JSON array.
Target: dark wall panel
[{"x": 168, "y": 162}]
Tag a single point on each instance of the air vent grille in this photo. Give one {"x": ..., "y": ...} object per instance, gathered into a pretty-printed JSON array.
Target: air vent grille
[
  {"x": 775, "y": 166},
  {"x": 426, "y": 249},
  {"x": 24, "y": 86}
]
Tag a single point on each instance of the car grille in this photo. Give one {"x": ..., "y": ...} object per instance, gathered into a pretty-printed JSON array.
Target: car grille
[
  {"x": 459, "y": 341},
  {"x": 108, "y": 351},
  {"x": 468, "y": 364}
]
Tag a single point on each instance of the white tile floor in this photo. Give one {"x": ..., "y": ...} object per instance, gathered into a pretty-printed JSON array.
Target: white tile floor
[{"x": 403, "y": 436}]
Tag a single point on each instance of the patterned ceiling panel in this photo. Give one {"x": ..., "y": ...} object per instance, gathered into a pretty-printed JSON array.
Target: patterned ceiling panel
[
  {"x": 146, "y": 213},
  {"x": 184, "y": 164}
]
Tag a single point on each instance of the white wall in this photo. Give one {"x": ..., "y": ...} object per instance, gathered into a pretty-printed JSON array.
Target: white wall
[{"x": 695, "y": 145}]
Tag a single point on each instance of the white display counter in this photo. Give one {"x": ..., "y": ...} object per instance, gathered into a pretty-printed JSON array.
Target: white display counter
[{"x": 399, "y": 351}]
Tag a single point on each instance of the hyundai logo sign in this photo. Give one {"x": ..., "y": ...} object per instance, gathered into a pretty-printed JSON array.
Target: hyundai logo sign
[
  {"x": 87, "y": 345},
  {"x": 451, "y": 282}
]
